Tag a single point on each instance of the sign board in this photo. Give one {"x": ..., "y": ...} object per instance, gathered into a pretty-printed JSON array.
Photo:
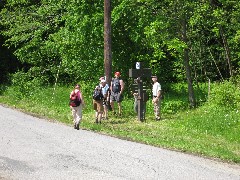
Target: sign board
[
  {"x": 138, "y": 65},
  {"x": 143, "y": 73},
  {"x": 134, "y": 88}
]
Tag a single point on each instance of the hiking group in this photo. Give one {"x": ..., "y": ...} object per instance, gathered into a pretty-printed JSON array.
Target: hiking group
[{"x": 105, "y": 97}]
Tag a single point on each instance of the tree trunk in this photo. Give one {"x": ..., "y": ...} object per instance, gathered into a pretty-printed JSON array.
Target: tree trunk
[
  {"x": 227, "y": 51},
  {"x": 107, "y": 41},
  {"x": 191, "y": 96}
]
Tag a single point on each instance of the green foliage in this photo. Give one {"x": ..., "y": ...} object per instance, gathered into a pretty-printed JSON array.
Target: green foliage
[
  {"x": 24, "y": 85},
  {"x": 56, "y": 36},
  {"x": 62, "y": 41},
  {"x": 175, "y": 106},
  {"x": 225, "y": 94},
  {"x": 211, "y": 120}
]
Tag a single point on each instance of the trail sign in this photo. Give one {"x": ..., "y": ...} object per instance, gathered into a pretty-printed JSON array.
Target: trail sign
[{"x": 139, "y": 73}]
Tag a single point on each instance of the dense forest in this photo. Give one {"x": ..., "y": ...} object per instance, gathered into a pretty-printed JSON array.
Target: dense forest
[{"x": 181, "y": 41}]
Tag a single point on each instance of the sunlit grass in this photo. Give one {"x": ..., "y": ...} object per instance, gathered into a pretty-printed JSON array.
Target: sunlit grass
[{"x": 207, "y": 131}]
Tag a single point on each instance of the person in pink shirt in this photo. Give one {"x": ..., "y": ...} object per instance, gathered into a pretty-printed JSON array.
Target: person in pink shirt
[{"x": 76, "y": 105}]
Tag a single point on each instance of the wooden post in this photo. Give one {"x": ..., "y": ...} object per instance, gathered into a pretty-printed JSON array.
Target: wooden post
[
  {"x": 141, "y": 113},
  {"x": 139, "y": 74}
]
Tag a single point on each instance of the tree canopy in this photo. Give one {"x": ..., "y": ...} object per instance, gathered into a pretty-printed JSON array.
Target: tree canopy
[{"x": 181, "y": 40}]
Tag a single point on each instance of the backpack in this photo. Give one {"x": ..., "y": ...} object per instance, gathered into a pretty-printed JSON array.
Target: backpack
[
  {"x": 97, "y": 94},
  {"x": 116, "y": 87},
  {"x": 74, "y": 100}
]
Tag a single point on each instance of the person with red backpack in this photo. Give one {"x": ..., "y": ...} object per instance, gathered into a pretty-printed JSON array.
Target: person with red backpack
[{"x": 76, "y": 104}]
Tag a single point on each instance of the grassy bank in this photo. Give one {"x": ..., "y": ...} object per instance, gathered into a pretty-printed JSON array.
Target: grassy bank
[{"x": 206, "y": 131}]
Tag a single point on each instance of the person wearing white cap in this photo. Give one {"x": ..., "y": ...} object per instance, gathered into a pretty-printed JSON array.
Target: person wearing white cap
[{"x": 105, "y": 92}]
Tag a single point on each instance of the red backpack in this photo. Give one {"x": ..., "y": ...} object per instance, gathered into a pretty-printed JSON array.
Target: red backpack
[{"x": 75, "y": 100}]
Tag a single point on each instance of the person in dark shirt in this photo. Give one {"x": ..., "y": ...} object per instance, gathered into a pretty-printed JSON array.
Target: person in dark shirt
[{"x": 117, "y": 87}]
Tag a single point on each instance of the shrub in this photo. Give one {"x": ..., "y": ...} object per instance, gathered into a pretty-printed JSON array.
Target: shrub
[
  {"x": 24, "y": 85},
  {"x": 174, "y": 106},
  {"x": 225, "y": 94}
]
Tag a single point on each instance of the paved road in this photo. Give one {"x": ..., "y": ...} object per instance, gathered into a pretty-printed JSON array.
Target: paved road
[{"x": 33, "y": 148}]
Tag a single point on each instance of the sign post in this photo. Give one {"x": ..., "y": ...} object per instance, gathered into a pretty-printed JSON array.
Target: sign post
[{"x": 139, "y": 73}]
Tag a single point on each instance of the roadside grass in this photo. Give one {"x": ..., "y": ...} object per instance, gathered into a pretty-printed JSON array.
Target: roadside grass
[{"x": 206, "y": 131}]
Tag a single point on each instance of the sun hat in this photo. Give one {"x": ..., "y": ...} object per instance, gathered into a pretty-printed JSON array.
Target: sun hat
[{"x": 101, "y": 78}]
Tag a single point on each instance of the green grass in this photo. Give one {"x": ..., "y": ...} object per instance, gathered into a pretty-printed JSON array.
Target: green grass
[{"x": 207, "y": 131}]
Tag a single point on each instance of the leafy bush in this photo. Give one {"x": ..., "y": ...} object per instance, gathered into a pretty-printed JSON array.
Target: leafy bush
[
  {"x": 225, "y": 94},
  {"x": 174, "y": 106},
  {"x": 24, "y": 85}
]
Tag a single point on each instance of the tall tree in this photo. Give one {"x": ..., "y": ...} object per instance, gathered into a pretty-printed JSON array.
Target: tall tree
[{"x": 107, "y": 40}]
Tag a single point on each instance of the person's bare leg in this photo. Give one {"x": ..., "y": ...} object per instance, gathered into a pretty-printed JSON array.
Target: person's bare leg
[
  {"x": 112, "y": 106},
  {"x": 105, "y": 112},
  {"x": 119, "y": 108},
  {"x": 96, "y": 117},
  {"x": 99, "y": 117}
]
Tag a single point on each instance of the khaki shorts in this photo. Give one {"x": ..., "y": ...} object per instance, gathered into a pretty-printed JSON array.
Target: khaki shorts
[{"x": 98, "y": 105}]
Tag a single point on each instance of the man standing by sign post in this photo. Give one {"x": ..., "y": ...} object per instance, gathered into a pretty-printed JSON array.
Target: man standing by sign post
[{"x": 156, "y": 90}]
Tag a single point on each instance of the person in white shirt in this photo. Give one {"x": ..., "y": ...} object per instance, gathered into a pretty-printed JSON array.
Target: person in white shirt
[
  {"x": 156, "y": 92},
  {"x": 105, "y": 92}
]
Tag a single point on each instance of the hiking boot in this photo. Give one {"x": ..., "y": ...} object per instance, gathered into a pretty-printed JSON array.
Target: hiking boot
[
  {"x": 77, "y": 127},
  {"x": 96, "y": 120},
  {"x": 158, "y": 118}
]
